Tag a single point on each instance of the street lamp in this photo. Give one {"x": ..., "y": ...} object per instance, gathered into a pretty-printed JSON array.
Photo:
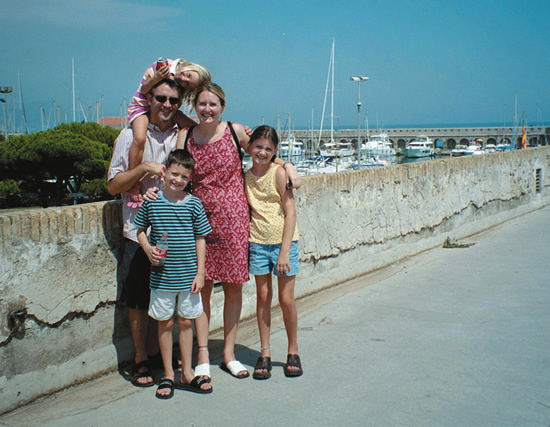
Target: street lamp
[
  {"x": 358, "y": 79},
  {"x": 6, "y": 90}
]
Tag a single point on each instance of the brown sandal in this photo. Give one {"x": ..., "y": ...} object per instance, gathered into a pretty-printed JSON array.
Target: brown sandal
[
  {"x": 262, "y": 363},
  {"x": 294, "y": 361}
]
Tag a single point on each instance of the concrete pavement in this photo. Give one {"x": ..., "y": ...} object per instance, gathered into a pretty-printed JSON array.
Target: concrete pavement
[{"x": 449, "y": 337}]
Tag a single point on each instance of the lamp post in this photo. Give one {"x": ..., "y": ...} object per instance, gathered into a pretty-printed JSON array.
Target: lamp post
[
  {"x": 358, "y": 79},
  {"x": 6, "y": 90}
]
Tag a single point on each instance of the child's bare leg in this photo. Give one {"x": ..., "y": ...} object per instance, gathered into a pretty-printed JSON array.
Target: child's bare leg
[
  {"x": 135, "y": 156},
  {"x": 264, "y": 296},
  {"x": 202, "y": 332},
  {"x": 166, "y": 343},
  {"x": 186, "y": 350},
  {"x": 139, "y": 128},
  {"x": 290, "y": 314}
]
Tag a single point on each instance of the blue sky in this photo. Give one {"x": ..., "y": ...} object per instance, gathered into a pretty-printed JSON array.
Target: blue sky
[{"x": 428, "y": 62}]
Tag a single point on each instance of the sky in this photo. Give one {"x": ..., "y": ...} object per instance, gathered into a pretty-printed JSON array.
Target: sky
[{"x": 428, "y": 62}]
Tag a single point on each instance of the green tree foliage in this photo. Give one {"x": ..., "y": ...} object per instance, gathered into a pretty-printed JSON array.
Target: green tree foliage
[
  {"x": 103, "y": 134},
  {"x": 52, "y": 164}
]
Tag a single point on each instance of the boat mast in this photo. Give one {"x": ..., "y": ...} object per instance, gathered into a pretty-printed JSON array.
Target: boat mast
[
  {"x": 515, "y": 132},
  {"x": 332, "y": 97},
  {"x": 74, "y": 100},
  {"x": 289, "y": 146},
  {"x": 504, "y": 126},
  {"x": 311, "y": 135},
  {"x": 22, "y": 113},
  {"x": 326, "y": 93}
]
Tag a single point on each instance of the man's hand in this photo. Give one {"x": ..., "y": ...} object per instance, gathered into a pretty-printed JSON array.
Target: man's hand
[{"x": 154, "y": 169}]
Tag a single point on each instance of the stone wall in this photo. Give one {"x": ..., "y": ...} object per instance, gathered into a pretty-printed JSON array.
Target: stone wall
[{"x": 59, "y": 265}]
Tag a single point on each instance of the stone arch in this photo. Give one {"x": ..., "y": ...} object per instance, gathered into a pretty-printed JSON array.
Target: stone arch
[
  {"x": 464, "y": 141},
  {"x": 451, "y": 144}
]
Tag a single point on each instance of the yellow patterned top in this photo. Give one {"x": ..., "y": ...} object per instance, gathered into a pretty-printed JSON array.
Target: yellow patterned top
[{"x": 267, "y": 215}]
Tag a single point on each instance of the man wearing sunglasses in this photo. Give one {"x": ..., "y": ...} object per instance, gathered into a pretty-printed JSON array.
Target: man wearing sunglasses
[{"x": 165, "y": 100}]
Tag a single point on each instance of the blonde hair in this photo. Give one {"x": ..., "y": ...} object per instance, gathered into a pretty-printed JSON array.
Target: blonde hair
[
  {"x": 210, "y": 87},
  {"x": 204, "y": 78}
]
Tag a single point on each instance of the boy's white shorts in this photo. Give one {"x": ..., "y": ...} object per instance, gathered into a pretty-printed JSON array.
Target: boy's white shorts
[{"x": 164, "y": 304}]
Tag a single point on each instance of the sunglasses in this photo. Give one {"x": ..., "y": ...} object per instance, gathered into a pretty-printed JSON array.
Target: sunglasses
[{"x": 162, "y": 99}]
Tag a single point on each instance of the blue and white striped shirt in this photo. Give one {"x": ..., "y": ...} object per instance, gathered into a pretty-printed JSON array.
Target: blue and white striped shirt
[{"x": 182, "y": 222}]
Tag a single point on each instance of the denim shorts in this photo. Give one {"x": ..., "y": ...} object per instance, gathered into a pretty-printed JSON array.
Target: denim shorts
[
  {"x": 165, "y": 303},
  {"x": 262, "y": 259}
]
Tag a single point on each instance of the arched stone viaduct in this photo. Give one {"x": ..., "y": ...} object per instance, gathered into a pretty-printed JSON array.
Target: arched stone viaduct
[{"x": 445, "y": 138}]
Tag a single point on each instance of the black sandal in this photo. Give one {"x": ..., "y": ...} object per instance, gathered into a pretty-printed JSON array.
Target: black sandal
[
  {"x": 164, "y": 384},
  {"x": 141, "y": 370},
  {"x": 294, "y": 361},
  {"x": 262, "y": 363}
]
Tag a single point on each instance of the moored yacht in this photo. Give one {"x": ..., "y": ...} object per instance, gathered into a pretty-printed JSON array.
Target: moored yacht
[
  {"x": 422, "y": 146},
  {"x": 378, "y": 145},
  {"x": 291, "y": 149},
  {"x": 341, "y": 149}
]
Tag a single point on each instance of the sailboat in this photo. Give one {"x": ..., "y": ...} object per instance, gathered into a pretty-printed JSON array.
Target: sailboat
[{"x": 338, "y": 150}]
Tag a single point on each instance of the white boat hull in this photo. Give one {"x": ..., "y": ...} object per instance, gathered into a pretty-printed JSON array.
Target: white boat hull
[
  {"x": 337, "y": 153},
  {"x": 418, "y": 152}
]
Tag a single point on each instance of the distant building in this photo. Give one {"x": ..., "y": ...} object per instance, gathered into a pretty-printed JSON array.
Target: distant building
[{"x": 114, "y": 122}]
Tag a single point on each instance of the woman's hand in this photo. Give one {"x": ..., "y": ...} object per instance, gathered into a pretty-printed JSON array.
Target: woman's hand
[
  {"x": 292, "y": 176},
  {"x": 151, "y": 194}
]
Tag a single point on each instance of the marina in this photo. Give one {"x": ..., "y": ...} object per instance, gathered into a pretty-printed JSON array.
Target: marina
[
  {"x": 445, "y": 138},
  {"x": 317, "y": 155}
]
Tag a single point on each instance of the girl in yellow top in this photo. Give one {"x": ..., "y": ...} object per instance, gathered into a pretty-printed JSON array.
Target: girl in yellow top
[{"x": 273, "y": 247}]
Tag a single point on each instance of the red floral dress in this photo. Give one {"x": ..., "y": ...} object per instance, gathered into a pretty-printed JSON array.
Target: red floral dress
[{"x": 218, "y": 182}]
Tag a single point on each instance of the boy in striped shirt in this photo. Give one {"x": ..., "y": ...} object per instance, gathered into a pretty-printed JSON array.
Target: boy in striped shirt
[{"x": 176, "y": 285}]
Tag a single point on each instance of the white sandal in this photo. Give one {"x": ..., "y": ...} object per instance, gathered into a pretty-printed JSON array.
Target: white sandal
[
  {"x": 235, "y": 368},
  {"x": 203, "y": 370}
]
